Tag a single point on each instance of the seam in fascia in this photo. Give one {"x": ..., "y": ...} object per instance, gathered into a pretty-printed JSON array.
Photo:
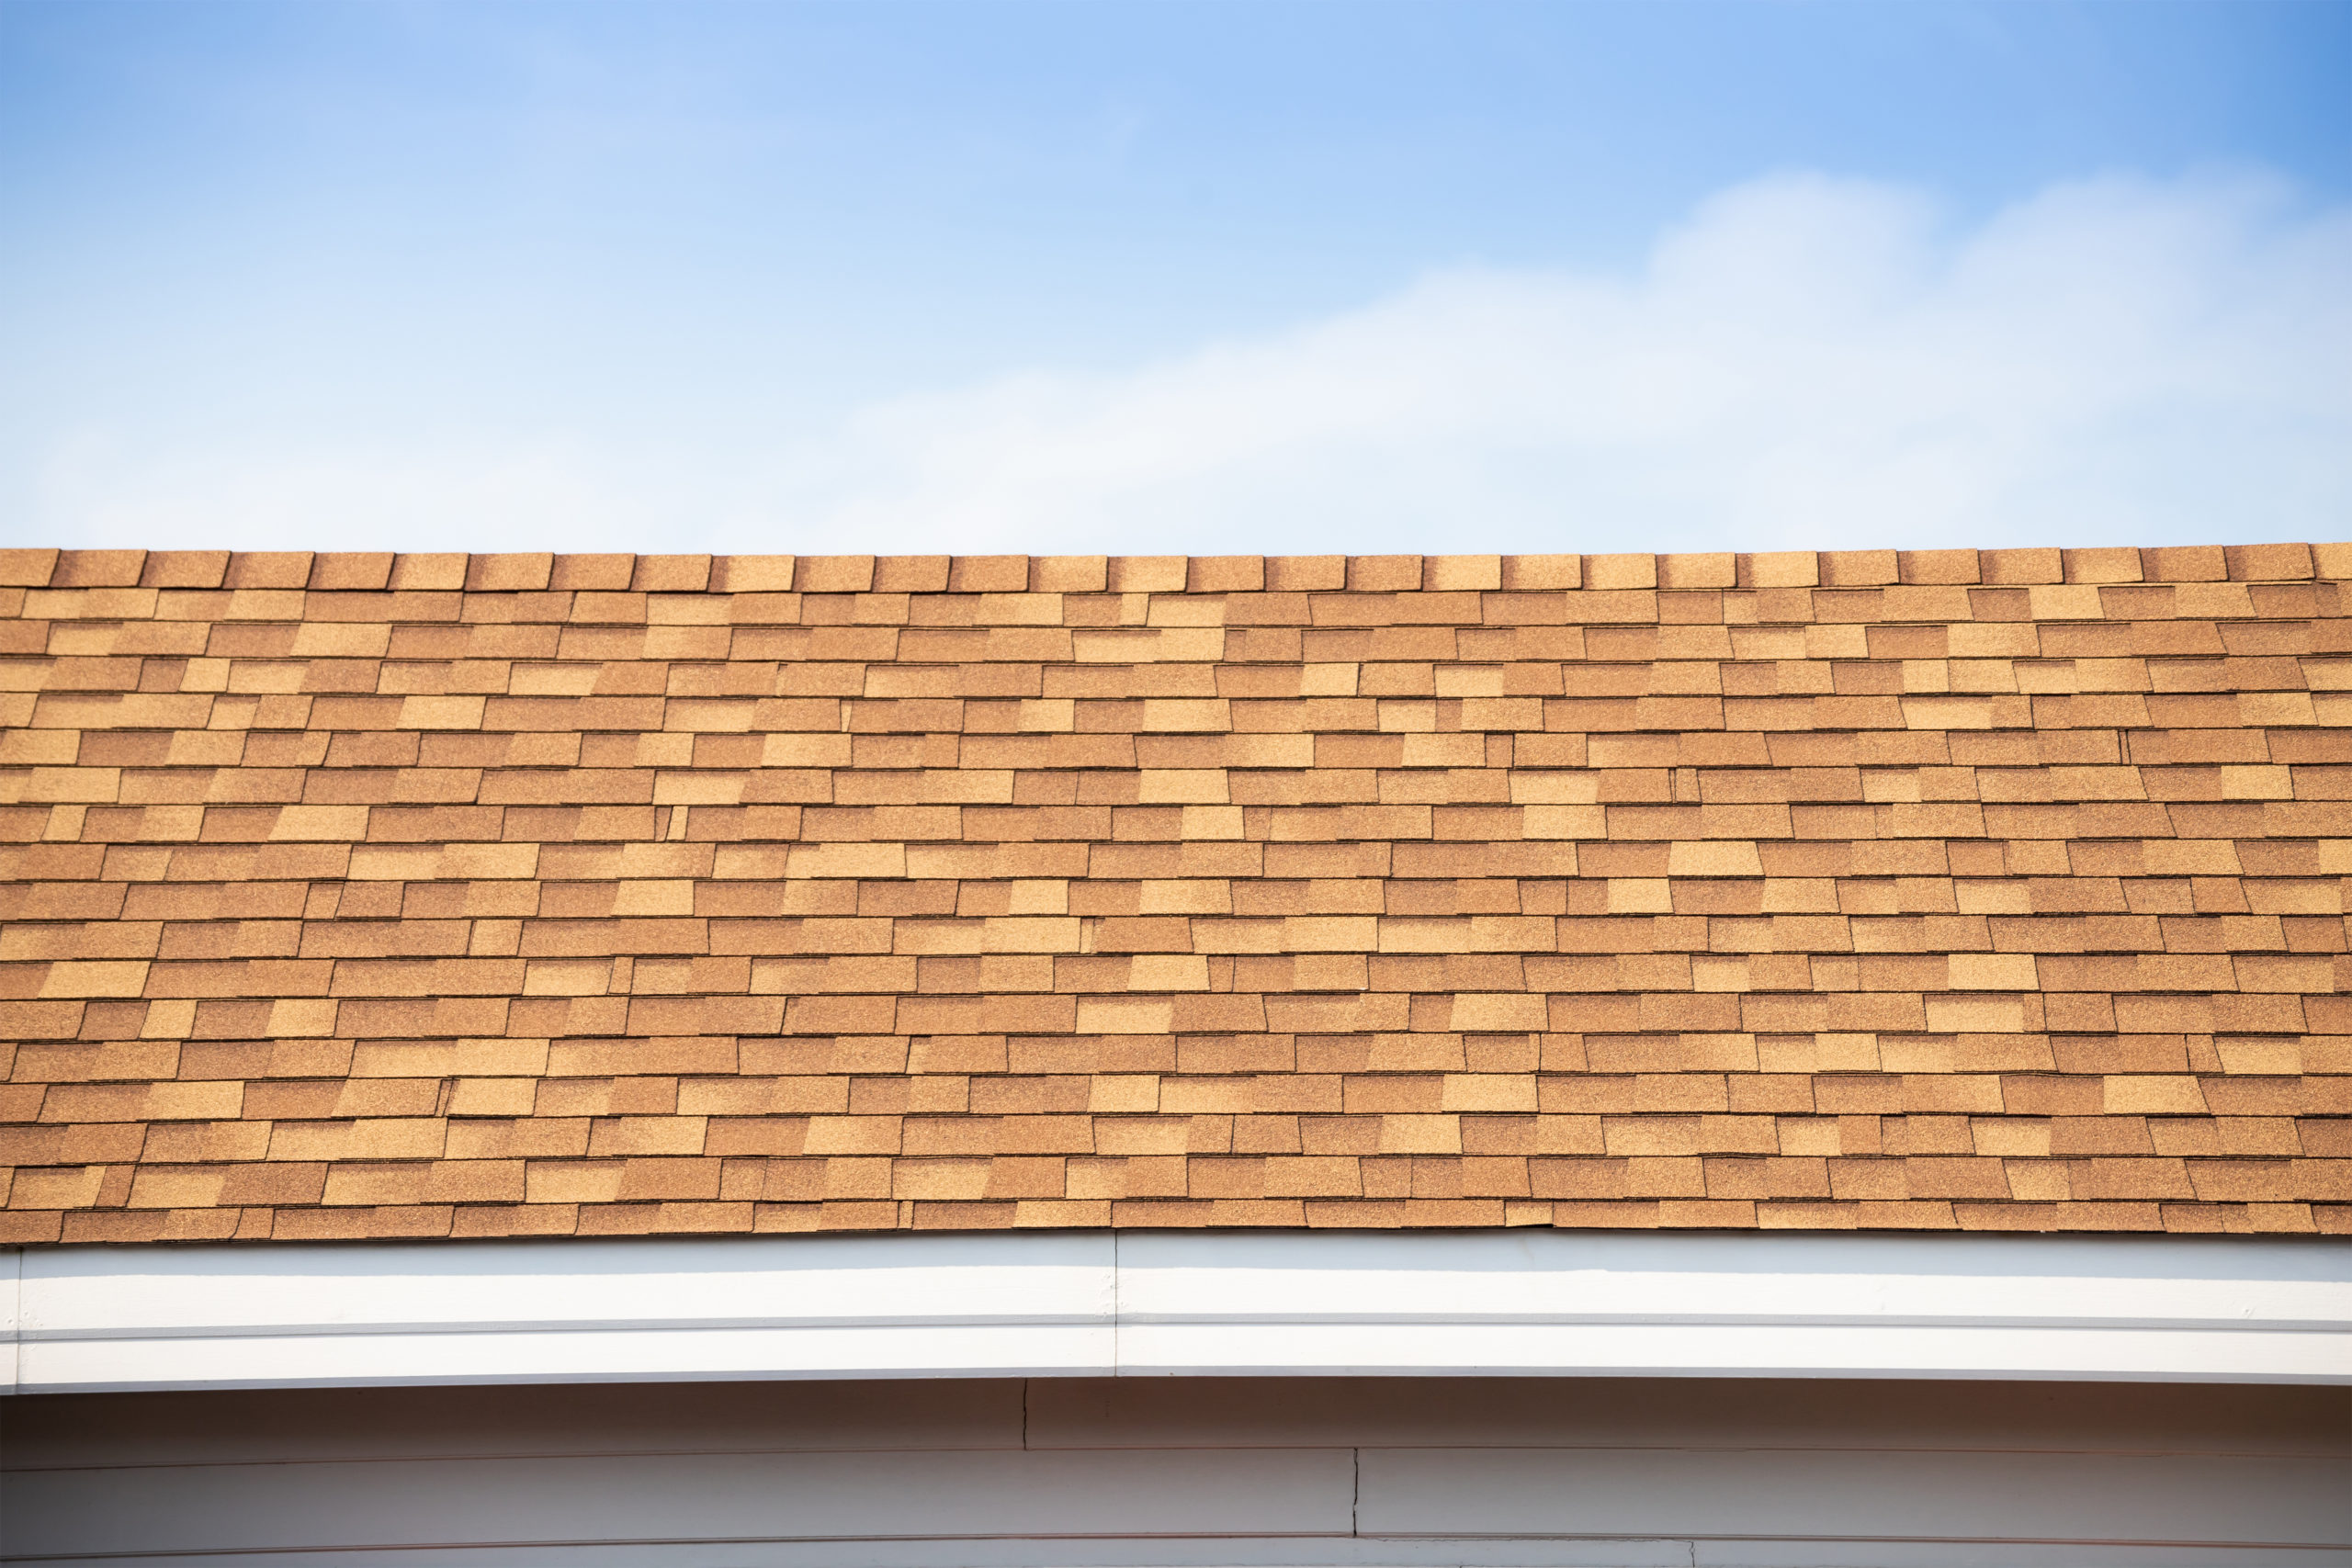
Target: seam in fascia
[{"x": 12, "y": 1308}]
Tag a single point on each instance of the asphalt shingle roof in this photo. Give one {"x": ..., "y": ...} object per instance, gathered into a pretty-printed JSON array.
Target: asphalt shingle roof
[{"x": 366, "y": 895}]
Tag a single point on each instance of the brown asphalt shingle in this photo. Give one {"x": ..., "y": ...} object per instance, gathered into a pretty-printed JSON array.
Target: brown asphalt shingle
[{"x": 514, "y": 895}]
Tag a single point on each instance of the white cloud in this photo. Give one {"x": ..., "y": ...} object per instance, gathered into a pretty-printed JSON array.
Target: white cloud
[
  {"x": 98, "y": 491},
  {"x": 1804, "y": 362}
]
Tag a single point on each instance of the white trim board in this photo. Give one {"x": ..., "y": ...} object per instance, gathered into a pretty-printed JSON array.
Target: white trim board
[{"x": 1096, "y": 1303}]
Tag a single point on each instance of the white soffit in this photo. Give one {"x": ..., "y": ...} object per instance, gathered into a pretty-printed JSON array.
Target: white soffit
[{"x": 1161, "y": 1303}]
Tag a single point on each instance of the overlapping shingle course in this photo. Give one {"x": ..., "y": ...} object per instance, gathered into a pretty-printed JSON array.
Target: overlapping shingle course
[{"x": 435, "y": 895}]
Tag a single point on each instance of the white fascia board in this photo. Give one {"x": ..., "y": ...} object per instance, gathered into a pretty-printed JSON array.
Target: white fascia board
[
  {"x": 335, "y": 1314},
  {"x": 447, "y": 1287},
  {"x": 638, "y": 1354},
  {"x": 1160, "y": 1303}
]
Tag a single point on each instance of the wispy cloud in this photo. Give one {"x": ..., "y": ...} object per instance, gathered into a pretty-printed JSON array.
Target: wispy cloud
[
  {"x": 100, "y": 489},
  {"x": 1804, "y": 361}
]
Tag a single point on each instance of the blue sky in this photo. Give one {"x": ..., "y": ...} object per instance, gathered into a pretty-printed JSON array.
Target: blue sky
[{"x": 1158, "y": 277}]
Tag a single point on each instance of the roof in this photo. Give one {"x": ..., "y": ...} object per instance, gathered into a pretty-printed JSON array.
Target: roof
[{"x": 519, "y": 895}]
